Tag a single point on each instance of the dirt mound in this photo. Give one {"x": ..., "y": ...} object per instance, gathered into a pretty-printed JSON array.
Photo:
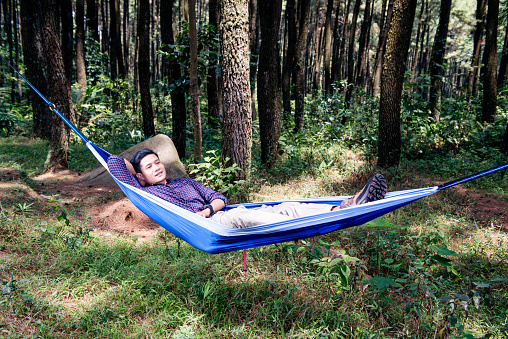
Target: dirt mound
[{"x": 122, "y": 217}]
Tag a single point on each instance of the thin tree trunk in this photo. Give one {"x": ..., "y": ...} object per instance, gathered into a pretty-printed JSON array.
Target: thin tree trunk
[
  {"x": 290, "y": 56},
  {"x": 8, "y": 30},
  {"x": 489, "y": 70},
  {"x": 503, "y": 67},
  {"x": 116, "y": 56},
  {"x": 184, "y": 10},
  {"x": 194, "y": 86},
  {"x": 380, "y": 52},
  {"x": 178, "y": 110},
  {"x": 327, "y": 52},
  {"x": 67, "y": 36},
  {"x": 16, "y": 47},
  {"x": 35, "y": 70},
  {"x": 417, "y": 42},
  {"x": 342, "y": 51},
  {"x": 237, "y": 129},
  {"x": 92, "y": 18},
  {"x": 317, "y": 46},
  {"x": 126, "y": 36},
  {"x": 337, "y": 42},
  {"x": 269, "y": 79},
  {"x": 80, "y": 50},
  {"x": 437, "y": 59},
  {"x": 350, "y": 57},
  {"x": 362, "y": 46},
  {"x": 481, "y": 10},
  {"x": 60, "y": 89},
  {"x": 397, "y": 48},
  {"x": 144, "y": 67},
  {"x": 299, "y": 64},
  {"x": 213, "y": 85},
  {"x": 254, "y": 52}
]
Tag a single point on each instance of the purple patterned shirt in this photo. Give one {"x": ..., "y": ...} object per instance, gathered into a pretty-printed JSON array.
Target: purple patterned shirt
[{"x": 183, "y": 192}]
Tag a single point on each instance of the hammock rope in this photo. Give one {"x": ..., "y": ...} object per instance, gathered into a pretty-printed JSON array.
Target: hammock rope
[{"x": 211, "y": 237}]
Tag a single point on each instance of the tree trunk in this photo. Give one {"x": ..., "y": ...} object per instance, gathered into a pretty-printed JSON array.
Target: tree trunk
[
  {"x": 116, "y": 56},
  {"x": 234, "y": 38},
  {"x": 144, "y": 67},
  {"x": 194, "y": 85},
  {"x": 80, "y": 48},
  {"x": 380, "y": 52},
  {"x": 16, "y": 47},
  {"x": 503, "y": 67},
  {"x": 92, "y": 18},
  {"x": 254, "y": 52},
  {"x": 504, "y": 146},
  {"x": 8, "y": 30},
  {"x": 178, "y": 110},
  {"x": 299, "y": 64},
  {"x": 328, "y": 51},
  {"x": 35, "y": 70},
  {"x": 126, "y": 37},
  {"x": 397, "y": 48},
  {"x": 489, "y": 70},
  {"x": 362, "y": 46},
  {"x": 269, "y": 78},
  {"x": 350, "y": 57},
  {"x": 318, "y": 46},
  {"x": 184, "y": 10},
  {"x": 212, "y": 85},
  {"x": 67, "y": 37},
  {"x": 337, "y": 42},
  {"x": 290, "y": 56},
  {"x": 342, "y": 51},
  {"x": 419, "y": 36},
  {"x": 60, "y": 89},
  {"x": 481, "y": 10},
  {"x": 437, "y": 59}
]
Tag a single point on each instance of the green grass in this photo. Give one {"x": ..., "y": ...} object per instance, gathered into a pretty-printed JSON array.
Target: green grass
[{"x": 425, "y": 269}]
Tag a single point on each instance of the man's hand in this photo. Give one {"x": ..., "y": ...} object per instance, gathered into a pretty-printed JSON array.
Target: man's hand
[{"x": 204, "y": 213}]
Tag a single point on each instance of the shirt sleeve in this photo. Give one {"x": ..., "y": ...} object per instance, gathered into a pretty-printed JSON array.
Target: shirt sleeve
[
  {"x": 207, "y": 193},
  {"x": 119, "y": 170}
]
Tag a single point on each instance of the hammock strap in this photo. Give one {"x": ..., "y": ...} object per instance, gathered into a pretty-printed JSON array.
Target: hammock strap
[
  {"x": 51, "y": 106},
  {"x": 471, "y": 177}
]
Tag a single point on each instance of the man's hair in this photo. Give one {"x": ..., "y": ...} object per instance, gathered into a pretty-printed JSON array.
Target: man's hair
[{"x": 138, "y": 156}]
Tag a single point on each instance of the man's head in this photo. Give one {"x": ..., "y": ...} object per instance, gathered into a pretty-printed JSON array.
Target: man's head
[{"x": 148, "y": 167}]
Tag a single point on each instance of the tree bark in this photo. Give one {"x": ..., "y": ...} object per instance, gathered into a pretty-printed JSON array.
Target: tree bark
[
  {"x": 437, "y": 59},
  {"x": 327, "y": 55},
  {"x": 35, "y": 70},
  {"x": 254, "y": 52},
  {"x": 481, "y": 10},
  {"x": 92, "y": 18},
  {"x": 67, "y": 39},
  {"x": 60, "y": 90},
  {"x": 503, "y": 67},
  {"x": 489, "y": 70},
  {"x": 381, "y": 49},
  {"x": 397, "y": 48},
  {"x": 144, "y": 67},
  {"x": 299, "y": 64},
  {"x": 7, "y": 8},
  {"x": 419, "y": 36},
  {"x": 178, "y": 110},
  {"x": 116, "y": 56},
  {"x": 337, "y": 42},
  {"x": 290, "y": 56},
  {"x": 362, "y": 46},
  {"x": 126, "y": 37},
  {"x": 237, "y": 129},
  {"x": 194, "y": 85},
  {"x": 342, "y": 51},
  {"x": 213, "y": 85},
  {"x": 80, "y": 47},
  {"x": 269, "y": 79},
  {"x": 350, "y": 57}
]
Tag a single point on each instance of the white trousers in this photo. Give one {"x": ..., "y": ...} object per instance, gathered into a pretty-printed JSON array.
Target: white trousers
[{"x": 241, "y": 217}]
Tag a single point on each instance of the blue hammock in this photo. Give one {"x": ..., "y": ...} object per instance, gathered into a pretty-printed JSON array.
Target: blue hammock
[{"x": 211, "y": 237}]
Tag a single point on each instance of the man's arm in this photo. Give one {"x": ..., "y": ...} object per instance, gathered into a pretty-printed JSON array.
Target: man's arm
[
  {"x": 217, "y": 205},
  {"x": 119, "y": 168}
]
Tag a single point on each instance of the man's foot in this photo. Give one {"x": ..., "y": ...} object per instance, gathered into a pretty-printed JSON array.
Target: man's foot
[{"x": 375, "y": 189}]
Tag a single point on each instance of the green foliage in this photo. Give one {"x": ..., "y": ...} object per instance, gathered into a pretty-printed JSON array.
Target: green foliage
[{"x": 211, "y": 174}]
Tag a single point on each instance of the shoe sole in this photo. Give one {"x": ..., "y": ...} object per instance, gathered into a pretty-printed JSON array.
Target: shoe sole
[{"x": 375, "y": 189}]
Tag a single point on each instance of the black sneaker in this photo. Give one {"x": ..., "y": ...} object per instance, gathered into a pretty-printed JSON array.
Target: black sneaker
[{"x": 375, "y": 189}]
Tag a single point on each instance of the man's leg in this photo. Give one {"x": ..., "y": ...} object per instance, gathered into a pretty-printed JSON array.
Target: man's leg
[{"x": 242, "y": 217}]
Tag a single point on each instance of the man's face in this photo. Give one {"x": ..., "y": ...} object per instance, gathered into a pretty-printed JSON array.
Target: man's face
[{"x": 152, "y": 170}]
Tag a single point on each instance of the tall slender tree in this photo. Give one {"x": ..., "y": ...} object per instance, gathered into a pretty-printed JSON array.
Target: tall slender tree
[
  {"x": 178, "y": 110},
  {"x": 363, "y": 43},
  {"x": 351, "y": 52},
  {"x": 194, "y": 86},
  {"x": 381, "y": 48},
  {"x": 269, "y": 79},
  {"x": 299, "y": 63},
  {"x": 237, "y": 130},
  {"x": 437, "y": 59},
  {"x": 144, "y": 67},
  {"x": 290, "y": 56},
  {"x": 80, "y": 46},
  {"x": 213, "y": 89},
  {"x": 116, "y": 55},
  {"x": 92, "y": 19},
  {"x": 489, "y": 69},
  {"x": 35, "y": 71},
  {"x": 481, "y": 10},
  {"x": 327, "y": 54},
  {"x": 67, "y": 36},
  {"x": 60, "y": 89},
  {"x": 397, "y": 49},
  {"x": 502, "y": 77}
]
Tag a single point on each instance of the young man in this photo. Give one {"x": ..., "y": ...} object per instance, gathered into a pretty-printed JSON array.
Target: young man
[{"x": 145, "y": 171}]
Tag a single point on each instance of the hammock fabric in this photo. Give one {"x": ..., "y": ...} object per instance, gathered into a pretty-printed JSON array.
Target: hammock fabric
[{"x": 212, "y": 237}]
